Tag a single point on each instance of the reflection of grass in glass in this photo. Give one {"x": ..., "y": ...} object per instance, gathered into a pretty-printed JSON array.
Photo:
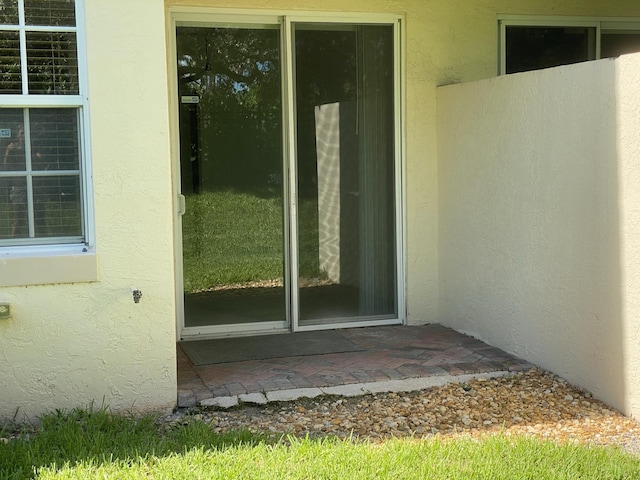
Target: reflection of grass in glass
[
  {"x": 5, "y": 215},
  {"x": 62, "y": 218},
  {"x": 308, "y": 260},
  {"x": 53, "y": 218},
  {"x": 236, "y": 237}
]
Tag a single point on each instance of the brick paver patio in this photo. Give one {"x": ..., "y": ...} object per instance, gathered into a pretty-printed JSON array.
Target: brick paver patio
[{"x": 390, "y": 353}]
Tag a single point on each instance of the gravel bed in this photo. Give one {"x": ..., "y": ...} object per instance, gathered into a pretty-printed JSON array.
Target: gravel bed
[{"x": 533, "y": 403}]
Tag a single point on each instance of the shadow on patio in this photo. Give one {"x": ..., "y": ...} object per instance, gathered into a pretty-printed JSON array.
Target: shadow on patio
[{"x": 389, "y": 358}]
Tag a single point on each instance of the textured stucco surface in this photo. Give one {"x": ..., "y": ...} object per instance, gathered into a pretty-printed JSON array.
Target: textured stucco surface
[
  {"x": 539, "y": 207},
  {"x": 628, "y": 117},
  {"x": 71, "y": 344}
]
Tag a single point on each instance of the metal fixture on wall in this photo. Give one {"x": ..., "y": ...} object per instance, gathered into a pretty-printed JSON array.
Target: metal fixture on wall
[
  {"x": 5, "y": 311},
  {"x": 137, "y": 295}
]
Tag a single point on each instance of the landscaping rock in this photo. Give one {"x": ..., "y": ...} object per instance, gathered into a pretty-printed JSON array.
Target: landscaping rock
[{"x": 530, "y": 403}]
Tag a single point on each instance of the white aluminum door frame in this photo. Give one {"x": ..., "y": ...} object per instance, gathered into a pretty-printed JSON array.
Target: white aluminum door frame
[
  {"x": 211, "y": 17},
  {"x": 290, "y": 68},
  {"x": 208, "y": 18}
]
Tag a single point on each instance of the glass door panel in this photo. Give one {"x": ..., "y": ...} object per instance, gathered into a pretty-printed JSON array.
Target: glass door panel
[
  {"x": 231, "y": 175},
  {"x": 344, "y": 99}
]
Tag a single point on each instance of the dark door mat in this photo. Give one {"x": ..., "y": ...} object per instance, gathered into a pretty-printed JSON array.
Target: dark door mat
[{"x": 224, "y": 350}]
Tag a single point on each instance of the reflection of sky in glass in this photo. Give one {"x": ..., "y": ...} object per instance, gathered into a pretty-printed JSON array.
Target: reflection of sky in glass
[
  {"x": 240, "y": 87},
  {"x": 185, "y": 61},
  {"x": 264, "y": 66}
]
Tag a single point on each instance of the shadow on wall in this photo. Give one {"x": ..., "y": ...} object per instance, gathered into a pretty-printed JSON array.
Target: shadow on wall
[{"x": 532, "y": 219}]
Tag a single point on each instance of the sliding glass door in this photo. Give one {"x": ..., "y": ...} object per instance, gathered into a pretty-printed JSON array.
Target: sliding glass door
[
  {"x": 230, "y": 113},
  {"x": 289, "y": 170},
  {"x": 345, "y": 124}
]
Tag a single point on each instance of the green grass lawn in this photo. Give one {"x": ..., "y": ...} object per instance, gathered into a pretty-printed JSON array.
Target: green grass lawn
[
  {"x": 97, "y": 445},
  {"x": 236, "y": 237}
]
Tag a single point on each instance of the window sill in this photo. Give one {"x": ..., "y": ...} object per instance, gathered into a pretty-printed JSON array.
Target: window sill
[{"x": 47, "y": 265}]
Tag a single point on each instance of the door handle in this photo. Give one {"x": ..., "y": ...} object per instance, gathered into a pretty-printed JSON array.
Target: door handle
[{"x": 182, "y": 204}]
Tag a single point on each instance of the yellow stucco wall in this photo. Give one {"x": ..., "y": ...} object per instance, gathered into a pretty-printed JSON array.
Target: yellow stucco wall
[
  {"x": 75, "y": 343},
  {"x": 69, "y": 345}
]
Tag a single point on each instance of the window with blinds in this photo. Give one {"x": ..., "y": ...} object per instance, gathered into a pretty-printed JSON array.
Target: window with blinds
[{"x": 41, "y": 108}]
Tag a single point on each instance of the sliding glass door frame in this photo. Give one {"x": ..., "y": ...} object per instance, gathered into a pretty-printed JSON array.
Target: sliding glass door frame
[
  {"x": 208, "y": 17},
  {"x": 327, "y": 21},
  {"x": 204, "y": 18}
]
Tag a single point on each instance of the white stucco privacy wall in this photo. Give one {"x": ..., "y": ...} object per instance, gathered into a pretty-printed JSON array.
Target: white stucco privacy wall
[
  {"x": 69, "y": 345},
  {"x": 539, "y": 189}
]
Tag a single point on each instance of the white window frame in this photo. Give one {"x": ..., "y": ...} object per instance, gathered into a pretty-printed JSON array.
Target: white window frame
[
  {"x": 601, "y": 24},
  {"x": 194, "y": 16},
  {"x": 40, "y": 262}
]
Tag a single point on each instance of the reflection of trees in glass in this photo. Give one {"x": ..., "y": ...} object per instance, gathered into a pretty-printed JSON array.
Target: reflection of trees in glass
[
  {"x": 9, "y": 50},
  {"x": 236, "y": 75},
  {"x": 50, "y": 12},
  {"x": 10, "y": 77},
  {"x": 52, "y": 63},
  {"x": 326, "y": 67},
  {"x": 51, "y": 57},
  {"x": 9, "y": 12},
  {"x": 326, "y": 72},
  {"x": 330, "y": 68},
  {"x": 39, "y": 12},
  {"x": 349, "y": 70}
]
